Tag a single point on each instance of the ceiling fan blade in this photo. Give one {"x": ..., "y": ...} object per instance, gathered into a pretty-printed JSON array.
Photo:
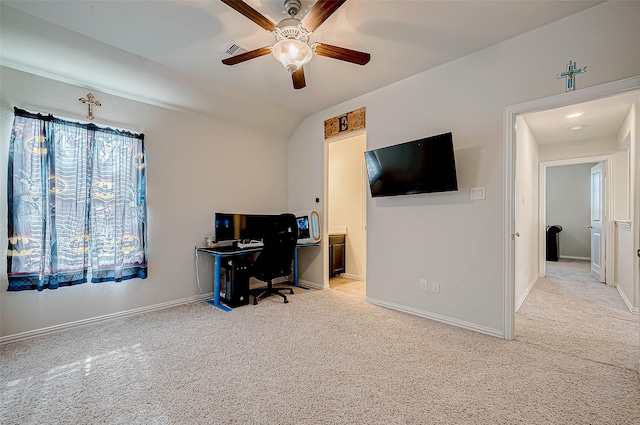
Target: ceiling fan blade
[
  {"x": 319, "y": 13},
  {"x": 251, "y": 13},
  {"x": 298, "y": 78},
  {"x": 348, "y": 55},
  {"x": 247, "y": 56}
]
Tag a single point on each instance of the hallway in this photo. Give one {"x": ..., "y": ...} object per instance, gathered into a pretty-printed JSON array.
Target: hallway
[{"x": 569, "y": 311}]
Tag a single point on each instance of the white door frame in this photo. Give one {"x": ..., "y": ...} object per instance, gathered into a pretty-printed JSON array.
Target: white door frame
[
  {"x": 608, "y": 210},
  {"x": 509, "y": 150}
]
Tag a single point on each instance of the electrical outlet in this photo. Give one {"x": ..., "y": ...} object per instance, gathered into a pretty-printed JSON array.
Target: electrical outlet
[
  {"x": 423, "y": 285},
  {"x": 435, "y": 287}
]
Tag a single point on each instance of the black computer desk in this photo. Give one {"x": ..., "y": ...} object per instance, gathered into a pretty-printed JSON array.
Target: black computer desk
[{"x": 219, "y": 254}]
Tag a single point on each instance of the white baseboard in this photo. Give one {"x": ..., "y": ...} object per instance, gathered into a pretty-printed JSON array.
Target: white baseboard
[
  {"x": 438, "y": 318},
  {"x": 351, "y": 276},
  {"x": 313, "y": 285},
  {"x": 571, "y": 257},
  {"x": 629, "y": 304},
  {"x": 65, "y": 326},
  {"x": 526, "y": 292}
]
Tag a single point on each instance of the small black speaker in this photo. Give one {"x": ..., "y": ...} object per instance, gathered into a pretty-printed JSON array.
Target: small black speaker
[{"x": 234, "y": 281}]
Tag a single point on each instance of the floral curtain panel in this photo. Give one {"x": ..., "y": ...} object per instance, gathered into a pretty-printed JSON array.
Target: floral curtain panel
[{"x": 77, "y": 203}]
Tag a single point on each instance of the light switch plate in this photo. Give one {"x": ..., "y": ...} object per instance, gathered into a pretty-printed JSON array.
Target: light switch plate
[{"x": 478, "y": 193}]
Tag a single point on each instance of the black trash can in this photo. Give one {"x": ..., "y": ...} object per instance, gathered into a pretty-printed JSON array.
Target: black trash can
[{"x": 553, "y": 242}]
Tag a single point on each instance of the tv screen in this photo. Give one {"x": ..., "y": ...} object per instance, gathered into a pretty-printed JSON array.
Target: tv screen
[{"x": 420, "y": 166}]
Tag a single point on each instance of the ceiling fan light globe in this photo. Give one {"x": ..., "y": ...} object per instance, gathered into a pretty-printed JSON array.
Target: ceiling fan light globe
[{"x": 292, "y": 53}]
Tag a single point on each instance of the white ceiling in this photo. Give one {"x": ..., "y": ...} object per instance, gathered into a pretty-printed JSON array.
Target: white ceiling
[
  {"x": 169, "y": 52},
  {"x": 599, "y": 119}
]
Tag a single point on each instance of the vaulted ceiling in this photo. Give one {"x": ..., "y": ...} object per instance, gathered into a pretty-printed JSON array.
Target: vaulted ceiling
[{"x": 169, "y": 52}]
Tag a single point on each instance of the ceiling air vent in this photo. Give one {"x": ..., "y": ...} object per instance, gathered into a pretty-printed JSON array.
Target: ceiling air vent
[{"x": 232, "y": 49}]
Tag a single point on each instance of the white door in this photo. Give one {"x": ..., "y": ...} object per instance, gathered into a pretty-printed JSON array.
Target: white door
[{"x": 596, "y": 225}]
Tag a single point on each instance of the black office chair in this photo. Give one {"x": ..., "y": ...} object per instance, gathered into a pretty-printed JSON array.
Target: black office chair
[{"x": 276, "y": 256}]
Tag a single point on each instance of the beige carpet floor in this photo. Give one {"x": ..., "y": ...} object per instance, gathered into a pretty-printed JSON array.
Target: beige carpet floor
[
  {"x": 570, "y": 312},
  {"x": 324, "y": 358}
]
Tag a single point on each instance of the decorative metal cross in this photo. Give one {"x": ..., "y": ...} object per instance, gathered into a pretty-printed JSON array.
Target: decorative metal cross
[
  {"x": 90, "y": 100},
  {"x": 570, "y": 74}
]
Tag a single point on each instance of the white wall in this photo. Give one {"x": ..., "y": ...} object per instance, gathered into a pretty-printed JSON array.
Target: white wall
[
  {"x": 579, "y": 149},
  {"x": 347, "y": 199},
  {"x": 304, "y": 162},
  {"x": 632, "y": 124},
  {"x": 635, "y": 199},
  {"x": 626, "y": 229},
  {"x": 621, "y": 177},
  {"x": 624, "y": 265},
  {"x": 193, "y": 165},
  {"x": 568, "y": 204},
  {"x": 448, "y": 237},
  {"x": 527, "y": 245}
]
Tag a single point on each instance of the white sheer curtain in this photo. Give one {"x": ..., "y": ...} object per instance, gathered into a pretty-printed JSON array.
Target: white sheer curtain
[{"x": 76, "y": 197}]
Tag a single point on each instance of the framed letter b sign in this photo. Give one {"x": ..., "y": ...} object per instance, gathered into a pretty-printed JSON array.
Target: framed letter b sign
[{"x": 343, "y": 124}]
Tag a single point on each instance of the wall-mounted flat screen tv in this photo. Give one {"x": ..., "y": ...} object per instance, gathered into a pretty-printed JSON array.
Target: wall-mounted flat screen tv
[{"x": 420, "y": 166}]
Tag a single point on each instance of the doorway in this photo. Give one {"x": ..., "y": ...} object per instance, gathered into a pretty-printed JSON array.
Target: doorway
[
  {"x": 513, "y": 201},
  {"x": 566, "y": 200},
  {"x": 346, "y": 214}
]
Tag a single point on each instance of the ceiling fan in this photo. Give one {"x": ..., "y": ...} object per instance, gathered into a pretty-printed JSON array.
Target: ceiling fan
[{"x": 292, "y": 47}]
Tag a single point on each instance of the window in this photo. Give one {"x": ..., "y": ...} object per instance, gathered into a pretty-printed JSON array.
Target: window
[{"x": 77, "y": 202}]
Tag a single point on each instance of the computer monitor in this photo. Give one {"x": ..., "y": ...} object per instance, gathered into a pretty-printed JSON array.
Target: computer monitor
[
  {"x": 303, "y": 227},
  {"x": 308, "y": 227},
  {"x": 234, "y": 226}
]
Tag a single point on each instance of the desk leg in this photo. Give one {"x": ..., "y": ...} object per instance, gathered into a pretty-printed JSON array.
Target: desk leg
[
  {"x": 295, "y": 269},
  {"x": 216, "y": 285}
]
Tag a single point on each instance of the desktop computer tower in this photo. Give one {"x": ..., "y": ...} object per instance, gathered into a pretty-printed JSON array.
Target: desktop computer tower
[{"x": 234, "y": 281}]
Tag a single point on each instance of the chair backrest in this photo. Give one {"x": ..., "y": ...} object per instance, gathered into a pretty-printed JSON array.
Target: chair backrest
[{"x": 277, "y": 253}]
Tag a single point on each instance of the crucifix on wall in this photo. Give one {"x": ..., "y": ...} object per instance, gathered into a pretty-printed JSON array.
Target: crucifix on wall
[
  {"x": 570, "y": 74},
  {"x": 91, "y": 101}
]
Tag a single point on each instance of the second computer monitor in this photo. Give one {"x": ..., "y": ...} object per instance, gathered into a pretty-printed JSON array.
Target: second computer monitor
[{"x": 308, "y": 227}]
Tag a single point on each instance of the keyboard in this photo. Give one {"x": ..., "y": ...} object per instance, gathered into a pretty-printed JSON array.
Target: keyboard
[
  {"x": 228, "y": 248},
  {"x": 252, "y": 244}
]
